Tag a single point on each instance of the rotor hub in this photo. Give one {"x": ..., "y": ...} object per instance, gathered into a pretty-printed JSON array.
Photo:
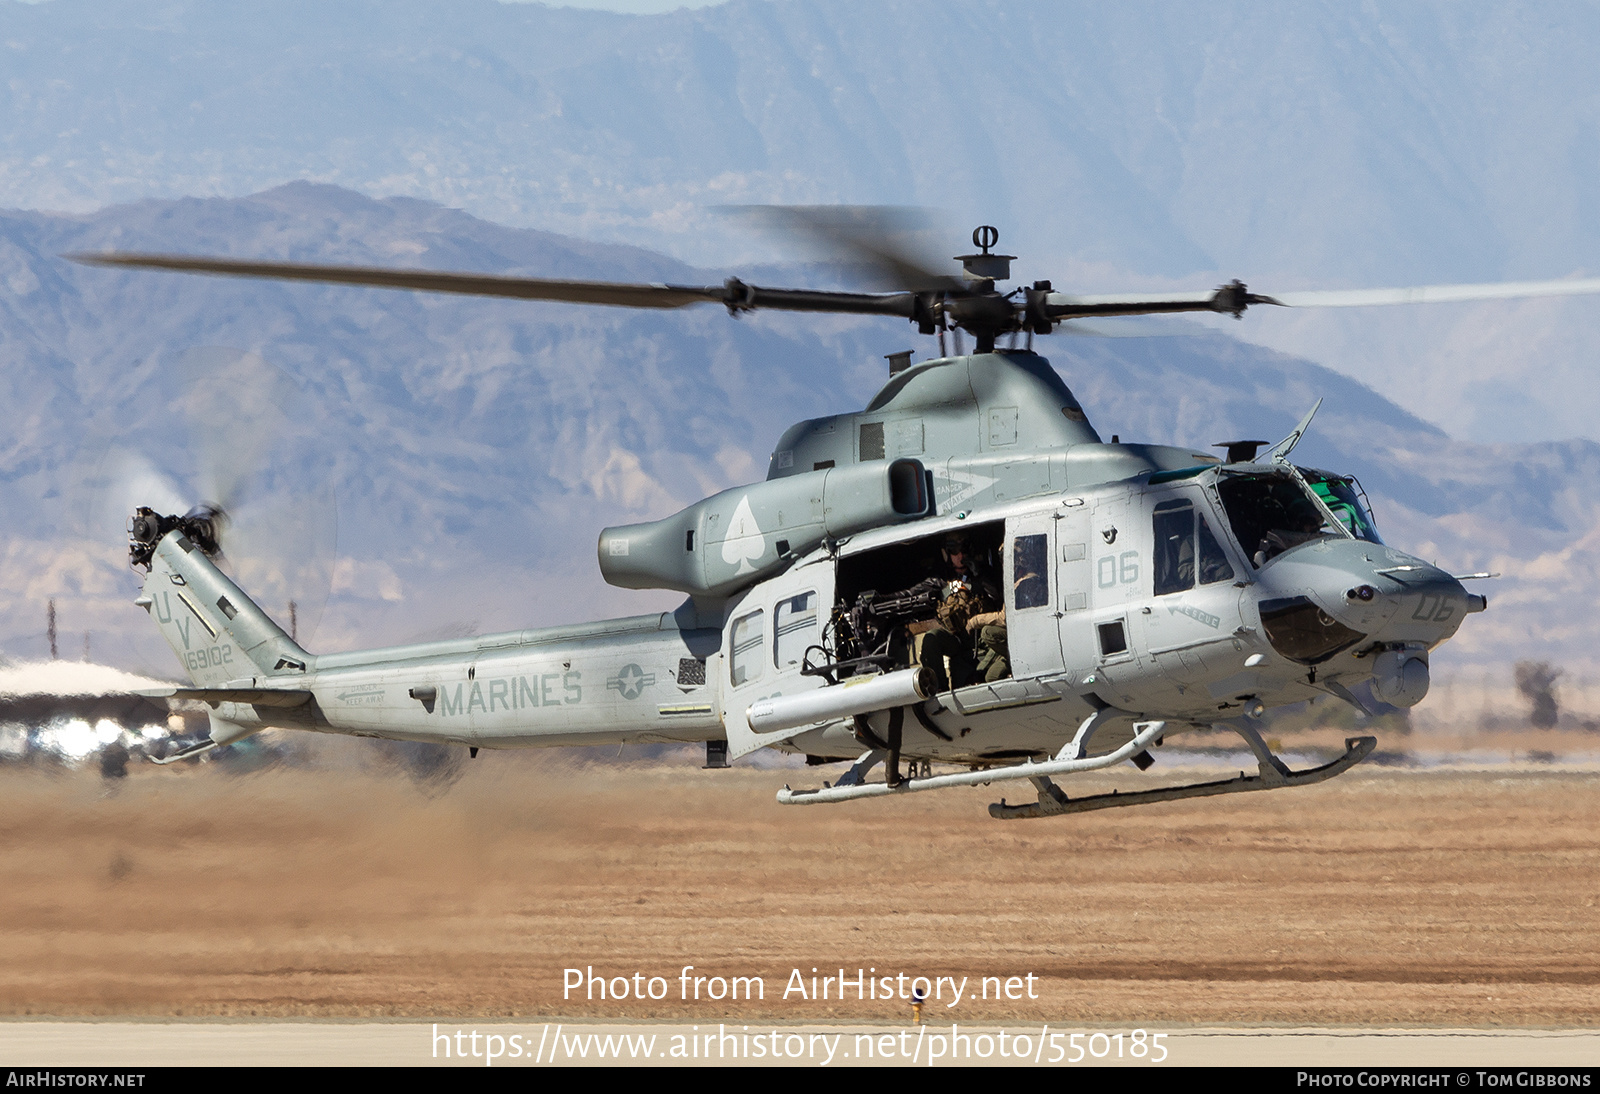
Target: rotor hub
[{"x": 202, "y": 526}]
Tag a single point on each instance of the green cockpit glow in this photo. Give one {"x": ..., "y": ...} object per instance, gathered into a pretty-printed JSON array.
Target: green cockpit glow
[{"x": 1343, "y": 495}]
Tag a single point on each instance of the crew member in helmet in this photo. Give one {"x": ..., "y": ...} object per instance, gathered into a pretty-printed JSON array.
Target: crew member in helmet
[{"x": 969, "y": 644}]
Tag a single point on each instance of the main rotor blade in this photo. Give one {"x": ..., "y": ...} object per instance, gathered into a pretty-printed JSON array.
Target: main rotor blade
[
  {"x": 879, "y": 236},
  {"x": 522, "y": 288},
  {"x": 1063, "y": 306},
  {"x": 1234, "y": 298},
  {"x": 733, "y": 294},
  {"x": 1438, "y": 294}
]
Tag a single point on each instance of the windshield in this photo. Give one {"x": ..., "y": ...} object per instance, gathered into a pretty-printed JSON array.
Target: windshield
[
  {"x": 1271, "y": 512},
  {"x": 1343, "y": 494}
]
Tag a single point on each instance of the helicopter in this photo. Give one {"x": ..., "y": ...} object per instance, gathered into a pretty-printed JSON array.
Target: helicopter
[{"x": 1131, "y": 591}]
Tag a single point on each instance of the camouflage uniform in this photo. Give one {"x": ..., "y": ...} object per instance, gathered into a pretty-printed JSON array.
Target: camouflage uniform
[
  {"x": 971, "y": 657},
  {"x": 994, "y": 661}
]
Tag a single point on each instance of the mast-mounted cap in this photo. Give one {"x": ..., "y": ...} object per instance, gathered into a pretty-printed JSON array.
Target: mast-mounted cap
[{"x": 985, "y": 266}]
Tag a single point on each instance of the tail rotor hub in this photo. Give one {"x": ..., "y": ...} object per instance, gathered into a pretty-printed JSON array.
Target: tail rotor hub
[{"x": 202, "y": 525}]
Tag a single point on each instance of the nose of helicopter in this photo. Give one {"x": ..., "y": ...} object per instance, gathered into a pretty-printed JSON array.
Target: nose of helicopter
[
  {"x": 1426, "y": 604},
  {"x": 1336, "y": 595}
]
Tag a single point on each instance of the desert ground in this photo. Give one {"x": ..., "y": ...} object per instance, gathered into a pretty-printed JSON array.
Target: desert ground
[{"x": 1460, "y": 891}]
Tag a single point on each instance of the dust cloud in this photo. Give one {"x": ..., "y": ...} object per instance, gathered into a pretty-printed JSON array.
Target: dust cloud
[{"x": 343, "y": 885}]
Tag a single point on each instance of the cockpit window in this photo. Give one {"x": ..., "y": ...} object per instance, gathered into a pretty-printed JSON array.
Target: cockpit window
[
  {"x": 1176, "y": 524},
  {"x": 1214, "y": 565},
  {"x": 1174, "y": 557},
  {"x": 1270, "y": 513},
  {"x": 1343, "y": 494}
]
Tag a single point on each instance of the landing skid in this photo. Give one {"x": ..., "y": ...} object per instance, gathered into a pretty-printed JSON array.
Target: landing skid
[
  {"x": 1072, "y": 759},
  {"x": 1274, "y": 775}
]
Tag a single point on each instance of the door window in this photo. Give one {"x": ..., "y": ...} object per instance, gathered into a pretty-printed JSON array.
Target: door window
[
  {"x": 1030, "y": 571},
  {"x": 747, "y": 642},
  {"x": 797, "y": 629}
]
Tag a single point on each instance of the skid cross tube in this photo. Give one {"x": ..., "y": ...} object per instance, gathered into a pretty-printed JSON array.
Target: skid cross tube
[{"x": 1029, "y": 770}]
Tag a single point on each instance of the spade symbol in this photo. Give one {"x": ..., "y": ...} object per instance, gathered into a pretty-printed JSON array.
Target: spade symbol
[{"x": 745, "y": 542}]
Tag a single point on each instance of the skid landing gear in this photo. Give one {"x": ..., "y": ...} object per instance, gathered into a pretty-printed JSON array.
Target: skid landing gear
[{"x": 1274, "y": 775}]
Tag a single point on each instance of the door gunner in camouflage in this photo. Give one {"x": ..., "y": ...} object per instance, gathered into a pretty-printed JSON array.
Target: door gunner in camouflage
[{"x": 969, "y": 644}]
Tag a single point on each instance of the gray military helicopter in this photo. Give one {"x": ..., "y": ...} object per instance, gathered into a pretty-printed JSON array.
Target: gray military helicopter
[{"x": 1135, "y": 591}]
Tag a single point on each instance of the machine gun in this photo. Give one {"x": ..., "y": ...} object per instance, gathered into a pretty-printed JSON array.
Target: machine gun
[{"x": 876, "y": 621}]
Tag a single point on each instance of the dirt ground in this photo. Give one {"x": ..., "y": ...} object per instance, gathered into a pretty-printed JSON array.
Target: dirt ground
[{"x": 1387, "y": 897}]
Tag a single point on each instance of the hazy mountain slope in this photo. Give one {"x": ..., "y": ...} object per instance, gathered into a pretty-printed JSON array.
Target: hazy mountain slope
[
  {"x": 479, "y": 446},
  {"x": 1301, "y": 144},
  {"x": 1415, "y": 141}
]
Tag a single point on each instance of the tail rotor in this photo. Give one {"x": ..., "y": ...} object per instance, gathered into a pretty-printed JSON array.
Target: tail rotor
[{"x": 225, "y": 451}]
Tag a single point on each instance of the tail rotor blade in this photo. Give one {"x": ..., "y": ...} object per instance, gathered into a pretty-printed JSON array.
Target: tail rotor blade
[
  {"x": 229, "y": 440},
  {"x": 236, "y": 404}
]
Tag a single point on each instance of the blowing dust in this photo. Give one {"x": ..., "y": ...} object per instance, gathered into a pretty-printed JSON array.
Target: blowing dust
[{"x": 354, "y": 882}]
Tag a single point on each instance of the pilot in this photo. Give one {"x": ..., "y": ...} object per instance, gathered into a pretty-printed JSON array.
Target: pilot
[
  {"x": 970, "y": 641},
  {"x": 1301, "y": 526}
]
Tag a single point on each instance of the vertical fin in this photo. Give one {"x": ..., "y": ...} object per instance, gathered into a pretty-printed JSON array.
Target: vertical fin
[{"x": 218, "y": 633}]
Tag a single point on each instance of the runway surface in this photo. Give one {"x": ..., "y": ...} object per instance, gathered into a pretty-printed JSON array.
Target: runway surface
[{"x": 1440, "y": 897}]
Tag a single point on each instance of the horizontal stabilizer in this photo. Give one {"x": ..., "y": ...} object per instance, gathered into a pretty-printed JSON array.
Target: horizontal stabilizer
[{"x": 256, "y": 697}]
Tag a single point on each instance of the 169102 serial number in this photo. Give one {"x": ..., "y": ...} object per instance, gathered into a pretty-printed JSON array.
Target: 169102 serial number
[{"x": 208, "y": 657}]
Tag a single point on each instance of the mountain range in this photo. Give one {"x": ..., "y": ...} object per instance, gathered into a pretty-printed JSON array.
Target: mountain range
[
  {"x": 477, "y": 447},
  {"x": 1142, "y": 145}
]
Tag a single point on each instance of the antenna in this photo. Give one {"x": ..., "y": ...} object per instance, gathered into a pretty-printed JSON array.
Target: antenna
[{"x": 50, "y": 627}]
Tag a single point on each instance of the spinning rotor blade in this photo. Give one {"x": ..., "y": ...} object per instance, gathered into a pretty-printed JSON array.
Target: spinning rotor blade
[
  {"x": 734, "y": 294},
  {"x": 231, "y": 439},
  {"x": 522, "y": 288},
  {"x": 237, "y": 407},
  {"x": 113, "y": 482},
  {"x": 253, "y": 433},
  {"x": 1438, "y": 294},
  {"x": 1234, "y": 298},
  {"x": 878, "y": 236}
]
